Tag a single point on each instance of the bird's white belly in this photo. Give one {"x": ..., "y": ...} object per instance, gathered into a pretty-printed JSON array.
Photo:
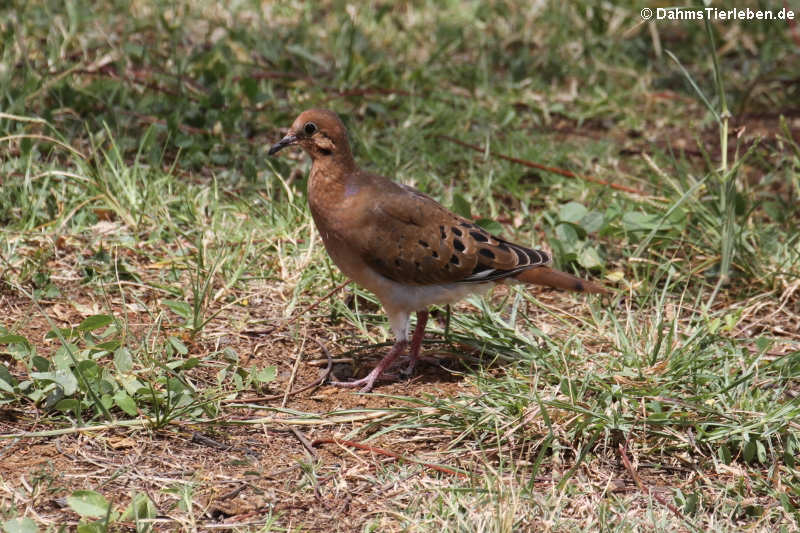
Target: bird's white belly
[{"x": 418, "y": 297}]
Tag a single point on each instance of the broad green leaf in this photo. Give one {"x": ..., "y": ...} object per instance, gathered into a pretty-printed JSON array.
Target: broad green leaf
[
  {"x": 461, "y": 206},
  {"x": 67, "y": 333},
  {"x": 182, "y": 309},
  {"x": 88, "y": 503},
  {"x": 68, "y": 405},
  {"x": 593, "y": 221},
  {"x": 40, "y": 363},
  {"x": 589, "y": 258},
  {"x": 98, "y": 526},
  {"x": 64, "y": 378},
  {"x": 123, "y": 360},
  {"x": 141, "y": 506},
  {"x": 492, "y": 226},
  {"x": 635, "y": 221},
  {"x": 91, "y": 323},
  {"x": 749, "y": 451},
  {"x": 178, "y": 345},
  {"x": 13, "y": 339},
  {"x": 572, "y": 212},
  {"x": 20, "y": 525},
  {"x": 6, "y": 377},
  {"x": 125, "y": 402},
  {"x": 265, "y": 375},
  {"x": 567, "y": 234},
  {"x": 89, "y": 369}
]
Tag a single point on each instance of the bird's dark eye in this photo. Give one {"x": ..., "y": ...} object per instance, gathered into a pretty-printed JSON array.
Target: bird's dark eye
[{"x": 310, "y": 128}]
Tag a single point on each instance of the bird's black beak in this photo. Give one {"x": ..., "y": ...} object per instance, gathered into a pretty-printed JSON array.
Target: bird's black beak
[{"x": 283, "y": 143}]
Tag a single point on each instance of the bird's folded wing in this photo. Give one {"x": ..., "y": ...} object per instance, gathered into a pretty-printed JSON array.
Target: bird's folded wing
[{"x": 409, "y": 238}]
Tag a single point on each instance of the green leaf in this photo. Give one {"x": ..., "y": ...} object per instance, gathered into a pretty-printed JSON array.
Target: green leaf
[
  {"x": 40, "y": 363},
  {"x": 178, "y": 345},
  {"x": 88, "y": 503},
  {"x": 6, "y": 378},
  {"x": 572, "y": 212},
  {"x": 91, "y": 323},
  {"x": 593, "y": 221},
  {"x": 123, "y": 360},
  {"x": 98, "y": 526},
  {"x": 108, "y": 346},
  {"x": 635, "y": 221},
  {"x": 461, "y": 206},
  {"x": 89, "y": 369},
  {"x": 62, "y": 359},
  {"x": 125, "y": 402},
  {"x": 749, "y": 451},
  {"x": 589, "y": 258},
  {"x": 492, "y": 226},
  {"x": 568, "y": 236},
  {"x": 14, "y": 339},
  {"x": 61, "y": 332},
  {"x": 68, "y": 405},
  {"x": 182, "y": 309},
  {"x": 190, "y": 363},
  {"x": 63, "y": 378},
  {"x": 761, "y": 452},
  {"x": 265, "y": 375},
  {"x": 141, "y": 506},
  {"x": 20, "y": 525}
]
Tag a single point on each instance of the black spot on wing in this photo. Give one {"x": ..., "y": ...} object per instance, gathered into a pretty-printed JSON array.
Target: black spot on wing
[
  {"x": 485, "y": 252},
  {"x": 456, "y": 231},
  {"x": 458, "y": 245},
  {"x": 478, "y": 236},
  {"x": 454, "y": 259}
]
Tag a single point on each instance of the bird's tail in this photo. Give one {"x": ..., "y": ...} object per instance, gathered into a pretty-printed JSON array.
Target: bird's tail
[{"x": 558, "y": 280}]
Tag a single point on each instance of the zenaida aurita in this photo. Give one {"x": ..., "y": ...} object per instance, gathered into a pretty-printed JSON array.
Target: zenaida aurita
[{"x": 401, "y": 244}]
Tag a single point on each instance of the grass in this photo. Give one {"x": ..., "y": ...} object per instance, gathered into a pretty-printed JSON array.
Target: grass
[{"x": 163, "y": 284}]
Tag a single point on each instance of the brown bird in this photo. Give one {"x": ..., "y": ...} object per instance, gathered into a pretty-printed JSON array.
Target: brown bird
[{"x": 401, "y": 244}]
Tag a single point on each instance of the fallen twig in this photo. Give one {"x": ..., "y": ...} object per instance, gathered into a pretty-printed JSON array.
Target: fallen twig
[
  {"x": 539, "y": 166},
  {"x": 304, "y": 441}
]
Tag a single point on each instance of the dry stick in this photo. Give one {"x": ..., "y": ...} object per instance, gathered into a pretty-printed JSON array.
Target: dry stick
[
  {"x": 635, "y": 475},
  {"x": 293, "y": 376},
  {"x": 254, "y": 332},
  {"x": 317, "y": 382},
  {"x": 395, "y": 455},
  {"x": 305, "y": 442},
  {"x": 539, "y": 166}
]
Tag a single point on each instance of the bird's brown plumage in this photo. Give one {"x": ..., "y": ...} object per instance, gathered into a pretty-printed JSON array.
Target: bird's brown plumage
[{"x": 400, "y": 243}]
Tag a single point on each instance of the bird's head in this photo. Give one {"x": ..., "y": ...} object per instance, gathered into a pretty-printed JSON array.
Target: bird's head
[{"x": 317, "y": 131}]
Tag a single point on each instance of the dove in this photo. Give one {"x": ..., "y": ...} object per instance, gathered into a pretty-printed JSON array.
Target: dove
[{"x": 401, "y": 244}]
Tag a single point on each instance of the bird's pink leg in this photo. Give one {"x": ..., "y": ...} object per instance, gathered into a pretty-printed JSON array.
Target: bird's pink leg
[
  {"x": 369, "y": 380},
  {"x": 416, "y": 341}
]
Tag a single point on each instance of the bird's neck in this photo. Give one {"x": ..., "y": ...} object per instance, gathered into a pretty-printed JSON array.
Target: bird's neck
[
  {"x": 331, "y": 175},
  {"x": 333, "y": 182}
]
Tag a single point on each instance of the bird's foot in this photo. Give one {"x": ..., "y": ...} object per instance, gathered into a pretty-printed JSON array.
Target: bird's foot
[{"x": 367, "y": 381}]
